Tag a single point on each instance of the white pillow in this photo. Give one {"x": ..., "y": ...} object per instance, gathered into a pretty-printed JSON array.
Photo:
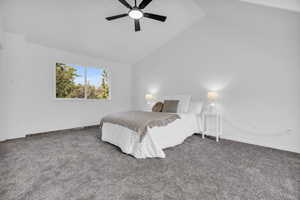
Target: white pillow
[
  {"x": 184, "y": 102},
  {"x": 196, "y": 107}
]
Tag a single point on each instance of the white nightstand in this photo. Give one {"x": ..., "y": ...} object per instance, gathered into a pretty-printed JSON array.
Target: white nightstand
[{"x": 213, "y": 119}]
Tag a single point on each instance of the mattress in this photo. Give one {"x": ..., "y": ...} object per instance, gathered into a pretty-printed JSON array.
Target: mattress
[{"x": 156, "y": 140}]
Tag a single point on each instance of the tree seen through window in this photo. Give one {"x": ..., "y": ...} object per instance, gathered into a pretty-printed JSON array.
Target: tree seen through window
[{"x": 78, "y": 82}]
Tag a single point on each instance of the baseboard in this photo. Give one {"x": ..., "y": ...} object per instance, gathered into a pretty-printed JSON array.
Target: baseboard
[
  {"x": 62, "y": 130},
  {"x": 224, "y": 137},
  {"x": 50, "y": 132},
  {"x": 211, "y": 137}
]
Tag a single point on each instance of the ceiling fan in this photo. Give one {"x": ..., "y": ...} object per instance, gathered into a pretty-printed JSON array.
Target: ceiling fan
[{"x": 135, "y": 12}]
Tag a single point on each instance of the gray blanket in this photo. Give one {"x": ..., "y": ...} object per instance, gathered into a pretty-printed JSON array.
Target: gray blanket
[{"x": 139, "y": 121}]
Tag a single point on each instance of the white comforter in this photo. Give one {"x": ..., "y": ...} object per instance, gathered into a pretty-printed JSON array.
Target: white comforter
[{"x": 157, "y": 138}]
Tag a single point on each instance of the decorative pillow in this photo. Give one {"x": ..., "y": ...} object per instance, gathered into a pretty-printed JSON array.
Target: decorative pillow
[
  {"x": 184, "y": 102},
  {"x": 171, "y": 106},
  {"x": 158, "y": 107}
]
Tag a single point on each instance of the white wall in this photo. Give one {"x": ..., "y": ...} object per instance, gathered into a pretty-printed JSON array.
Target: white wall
[
  {"x": 1, "y": 33},
  {"x": 251, "y": 55},
  {"x": 27, "y": 102}
]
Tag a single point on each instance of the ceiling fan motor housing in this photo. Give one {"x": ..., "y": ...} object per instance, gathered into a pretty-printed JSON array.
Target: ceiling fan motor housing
[{"x": 135, "y": 12}]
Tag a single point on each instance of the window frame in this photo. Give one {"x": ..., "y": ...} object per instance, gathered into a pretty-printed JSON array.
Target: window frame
[{"x": 85, "y": 84}]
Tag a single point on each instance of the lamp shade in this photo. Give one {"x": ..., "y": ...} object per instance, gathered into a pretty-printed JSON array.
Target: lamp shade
[
  {"x": 149, "y": 97},
  {"x": 212, "y": 96}
]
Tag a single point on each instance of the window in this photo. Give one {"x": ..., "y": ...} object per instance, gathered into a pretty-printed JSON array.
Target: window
[{"x": 78, "y": 82}]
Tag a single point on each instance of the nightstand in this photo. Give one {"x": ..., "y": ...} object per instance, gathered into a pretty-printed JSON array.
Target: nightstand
[{"x": 212, "y": 124}]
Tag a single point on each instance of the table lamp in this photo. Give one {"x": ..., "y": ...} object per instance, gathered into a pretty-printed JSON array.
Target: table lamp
[
  {"x": 212, "y": 98},
  {"x": 149, "y": 98}
]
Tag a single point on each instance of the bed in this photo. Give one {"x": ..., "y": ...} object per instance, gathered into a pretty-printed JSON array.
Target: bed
[{"x": 157, "y": 138}]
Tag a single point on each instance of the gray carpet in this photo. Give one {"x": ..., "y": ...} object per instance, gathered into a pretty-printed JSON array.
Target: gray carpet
[{"x": 73, "y": 165}]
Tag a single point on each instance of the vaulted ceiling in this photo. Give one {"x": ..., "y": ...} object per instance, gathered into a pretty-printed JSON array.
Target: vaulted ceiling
[
  {"x": 292, "y": 5},
  {"x": 79, "y": 26}
]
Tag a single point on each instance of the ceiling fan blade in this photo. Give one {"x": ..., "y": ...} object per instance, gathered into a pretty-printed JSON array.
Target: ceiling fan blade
[
  {"x": 144, "y": 3},
  {"x": 124, "y": 2},
  {"x": 116, "y": 17},
  {"x": 155, "y": 17},
  {"x": 137, "y": 25}
]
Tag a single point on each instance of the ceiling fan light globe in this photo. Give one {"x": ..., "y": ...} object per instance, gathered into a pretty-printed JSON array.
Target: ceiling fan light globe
[{"x": 135, "y": 14}]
